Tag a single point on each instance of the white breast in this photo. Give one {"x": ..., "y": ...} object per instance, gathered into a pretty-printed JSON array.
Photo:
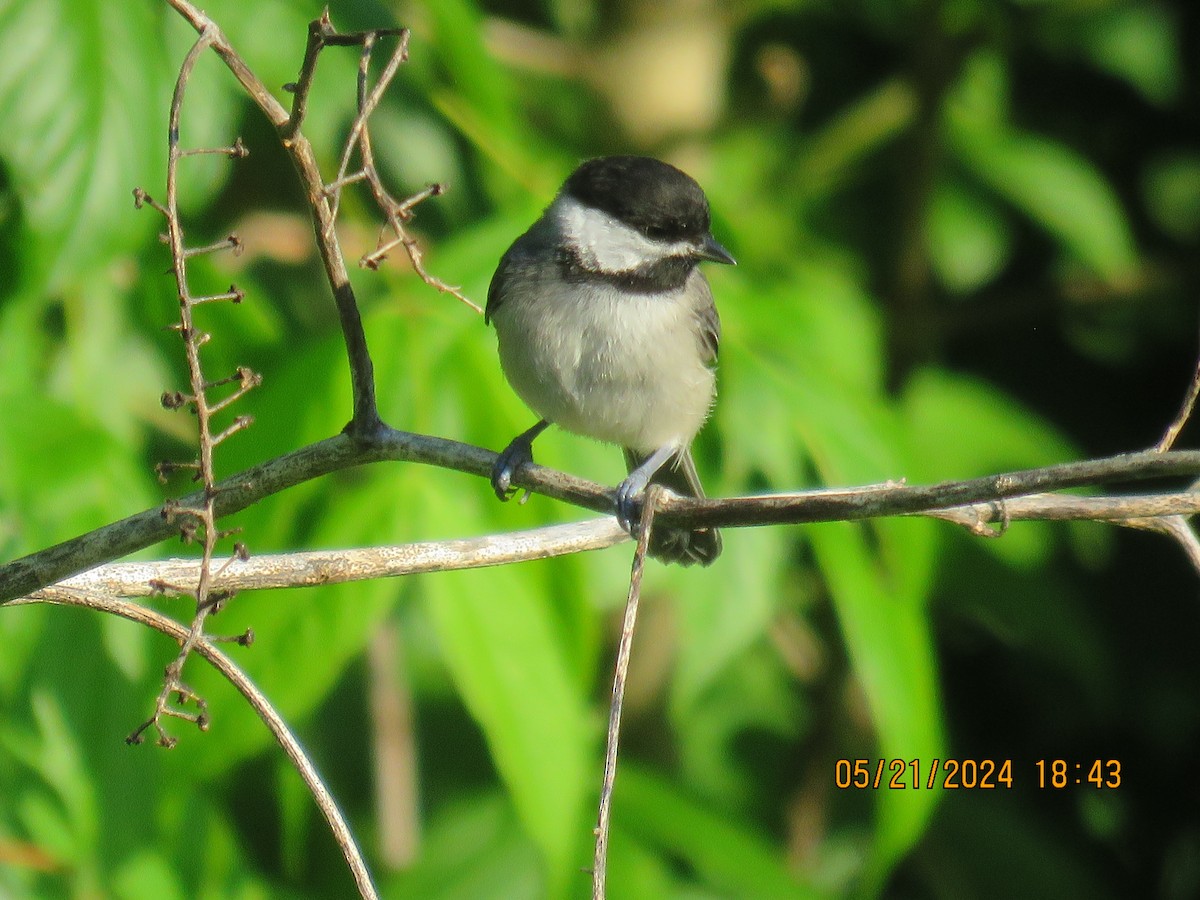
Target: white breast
[{"x": 623, "y": 368}]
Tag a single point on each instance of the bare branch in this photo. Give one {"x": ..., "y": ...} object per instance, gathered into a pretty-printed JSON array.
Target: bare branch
[
  {"x": 233, "y": 295},
  {"x": 232, "y": 243},
  {"x": 396, "y": 212},
  {"x": 27, "y": 574},
  {"x": 203, "y": 513},
  {"x": 1059, "y": 507},
  {"x": 239, "y": 424},
  {"x": 250, "y": 82},
  {"x": 367, "y": 102},
  {"x": 319, "y": 567},
  {"x": 308, "y": 569},
  {"x": 899, "y": 499}
]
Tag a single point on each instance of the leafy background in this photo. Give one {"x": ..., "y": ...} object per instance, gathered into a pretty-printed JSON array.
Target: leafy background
[{"x": 968, "y": 238}]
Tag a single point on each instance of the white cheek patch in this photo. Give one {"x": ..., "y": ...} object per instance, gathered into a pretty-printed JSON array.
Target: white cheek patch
[{"x": 608, "y": 244}]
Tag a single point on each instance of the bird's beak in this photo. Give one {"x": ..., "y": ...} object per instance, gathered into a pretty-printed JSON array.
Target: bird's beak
[{"x": 710, "y": 249}]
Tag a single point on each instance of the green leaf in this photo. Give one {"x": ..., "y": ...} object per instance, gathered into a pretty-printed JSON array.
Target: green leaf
[
  {"x": 474, "y": 847},
  {"x": 755, "y": 695},
  {"x": 1053, "y": 185},
  {"x": 1138, "y": 42},
  {"x": 104, "y": 367},
  {"x": 830, "y": 410},
  {"x": 1172, "y": 190},
  {"x": 69, "y": 826},
  {"x": 857, "y": 130},
  {"x": 146, "y": 874},
  {"x": 61, "y": 474},
  {"x": 75, "y": 100},
  {"x": 728, "y": 858},
  {"x": 501, "y": 645},
  {"x": 889, "y": 639},
  {"x": 981, "y": 97},
  {"x": 969, "y": 239},
  {"x": 714, "y": 630},
  {"x": 636, "y": 871}
]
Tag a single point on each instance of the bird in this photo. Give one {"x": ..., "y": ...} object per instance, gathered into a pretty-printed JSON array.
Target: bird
[{"x": 607, "y": 328}]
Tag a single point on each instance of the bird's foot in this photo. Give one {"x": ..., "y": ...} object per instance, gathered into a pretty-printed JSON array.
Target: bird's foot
[
  {"x": 629, "y": 496},
  {"x": 630, "y": 492},
  {"x": 515, "y": 455}
]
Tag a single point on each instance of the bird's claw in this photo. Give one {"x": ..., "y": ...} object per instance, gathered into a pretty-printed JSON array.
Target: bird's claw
[
  {"x": 628, "y": 501},
  {"x": 510, "y": 460}
]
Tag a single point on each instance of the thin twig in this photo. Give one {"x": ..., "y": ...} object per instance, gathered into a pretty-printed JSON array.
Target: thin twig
[
  {"x": 976, "y": 517},
  {"x": 256, "y": 699},
  {"x": 367, "y": 103},
  {"x": 318, "y": 30},
  {"x": 624, "y": 650},
  {"x": 250, "y": 82},
  {"x": 1181, "y": 418},
  {"x": 855, "y": 503},
  {"x": 205, "y": 511},
  {"x": 396, "y": 212}
]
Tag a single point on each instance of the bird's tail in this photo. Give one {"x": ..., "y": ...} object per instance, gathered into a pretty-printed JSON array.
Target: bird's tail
[{"x": 679, "y": 545}]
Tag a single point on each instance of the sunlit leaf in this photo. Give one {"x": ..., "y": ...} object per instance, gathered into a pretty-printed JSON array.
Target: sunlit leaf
[
  {"x": 1172, "y": 188},
  {"x": 500, "y": 645},
  {"x": 969, "y": 239},
  {"x": 1054, "y": 186},
  {"x": 726, "y": 856},
  {"x": 147, "y": 874},
  {"x": 889, "y": 639},
  {"x": 68, "y": 140},
  {"x": 473, "y": 847},
  {"x": 1138, "y": 42}
]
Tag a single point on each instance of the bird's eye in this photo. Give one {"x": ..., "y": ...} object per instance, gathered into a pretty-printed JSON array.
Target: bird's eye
[{"x": 656, "y": 232}]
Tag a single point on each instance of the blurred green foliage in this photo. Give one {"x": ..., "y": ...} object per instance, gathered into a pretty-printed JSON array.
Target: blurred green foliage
[{"x": 968, "y": 238}]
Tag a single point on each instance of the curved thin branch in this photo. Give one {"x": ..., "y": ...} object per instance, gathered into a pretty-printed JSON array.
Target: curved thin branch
[{"x": 223, "y": 664}]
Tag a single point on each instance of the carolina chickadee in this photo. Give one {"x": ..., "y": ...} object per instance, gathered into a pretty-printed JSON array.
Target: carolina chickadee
[{"x": 607, "y": 328}]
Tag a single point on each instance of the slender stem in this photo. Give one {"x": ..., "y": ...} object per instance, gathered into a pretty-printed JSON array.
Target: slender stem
[
  {"x": 1181, "y": 418},
  {"x": 620, "y": 675}
]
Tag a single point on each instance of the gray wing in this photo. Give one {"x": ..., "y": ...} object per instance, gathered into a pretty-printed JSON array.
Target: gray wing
[
  {"x": 708, "y": 323},
  {"x": 520, "y": 261},
  {"x": 499, "y": 286}
]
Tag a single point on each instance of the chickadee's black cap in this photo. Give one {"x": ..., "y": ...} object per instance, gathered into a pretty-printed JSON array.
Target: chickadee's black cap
[{"x": 647, "y": 194}]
